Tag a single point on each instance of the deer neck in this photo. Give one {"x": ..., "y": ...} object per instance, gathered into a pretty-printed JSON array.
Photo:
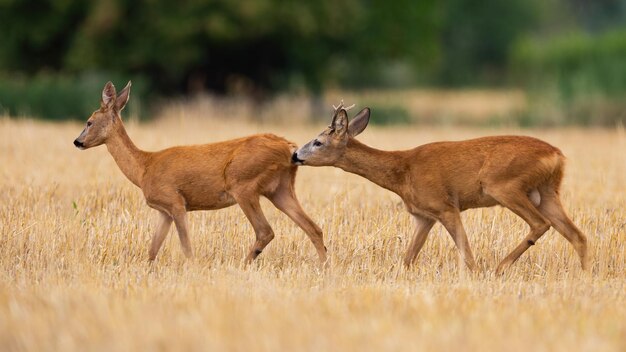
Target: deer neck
[
  {"x": 384, "y": 168},
  {"x": 130, "y": 159}
]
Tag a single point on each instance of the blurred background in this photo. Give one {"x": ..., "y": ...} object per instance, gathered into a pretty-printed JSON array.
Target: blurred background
[{"x": 489, "y": 62}]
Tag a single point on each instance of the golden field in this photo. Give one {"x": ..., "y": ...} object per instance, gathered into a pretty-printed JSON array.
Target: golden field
[{"x": 74, "y": 273}]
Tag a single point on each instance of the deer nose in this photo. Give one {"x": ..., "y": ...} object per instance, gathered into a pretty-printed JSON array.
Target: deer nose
[
  {"x": 295, "y": 159},
  {"x": 78, "y": 144}
]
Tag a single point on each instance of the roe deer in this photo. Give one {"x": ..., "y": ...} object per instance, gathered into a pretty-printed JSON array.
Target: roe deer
[
  {"x": 438, "y": 181},
  {"x": 203, "y": 177}
]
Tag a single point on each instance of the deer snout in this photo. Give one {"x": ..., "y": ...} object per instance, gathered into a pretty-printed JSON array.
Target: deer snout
[
  {"x": 295, "y": 159},
  {"x": 79, "y": 144}
]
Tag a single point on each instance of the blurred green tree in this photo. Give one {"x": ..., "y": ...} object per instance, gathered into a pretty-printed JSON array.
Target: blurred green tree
[
  {"x": 259, "y": 46},
  {"x": 219, "y": 45},
  {"x": 476, "y": 38}
]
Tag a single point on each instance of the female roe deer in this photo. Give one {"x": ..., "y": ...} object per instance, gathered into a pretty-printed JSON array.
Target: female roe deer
[
  {"x": 203, "y": 177},
  {"x": 439, "y": 180}
]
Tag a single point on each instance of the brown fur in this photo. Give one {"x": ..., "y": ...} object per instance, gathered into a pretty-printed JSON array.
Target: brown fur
[
  {"x": 439, "y": 180},
  {"x": 203, "y": 177}
]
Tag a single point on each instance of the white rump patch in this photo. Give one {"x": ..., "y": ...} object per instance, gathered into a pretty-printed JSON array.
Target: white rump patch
[{"x": 534, "y": 197}]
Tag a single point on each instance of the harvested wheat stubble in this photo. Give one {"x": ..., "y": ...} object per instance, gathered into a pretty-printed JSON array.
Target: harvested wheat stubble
[{"x": 75, "y": 275}]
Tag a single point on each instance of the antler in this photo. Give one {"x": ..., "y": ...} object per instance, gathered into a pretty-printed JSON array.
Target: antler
[
  {"x": 337, "y": 108},
  {"x": 340, "y": 106}
]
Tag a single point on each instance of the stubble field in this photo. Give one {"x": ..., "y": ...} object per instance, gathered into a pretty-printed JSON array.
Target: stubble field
[{"x": 74, "y": 273}]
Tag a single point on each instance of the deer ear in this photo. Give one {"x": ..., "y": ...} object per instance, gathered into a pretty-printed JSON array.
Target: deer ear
[
  {"x": 359, "y": 122},
  {"x": 122, "y": 98},
  {"x": 340, "y": 122},
  {"x": 108, "y": 96}
]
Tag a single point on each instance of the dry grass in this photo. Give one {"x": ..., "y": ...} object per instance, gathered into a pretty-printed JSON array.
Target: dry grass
[
  {"x": 473, "y": 106},
  {"x": 77, "y": 277},
  {"x": 426, "y": 106}
]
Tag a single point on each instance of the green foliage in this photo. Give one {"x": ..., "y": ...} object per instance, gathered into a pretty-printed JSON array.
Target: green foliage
[
  {"x": 390, "y": 115},
  {"x": 37, "y": 34},
  {"x": 394, "y": 44},
  {"x": 49, "y": 49},
  {"x": 476, "y": 37},
  {"x": 583, "y": 74},
  {"x": 220, "y": 45},
  {"x": 61, "y": 97},
  {"x": 263, "y": 44}
]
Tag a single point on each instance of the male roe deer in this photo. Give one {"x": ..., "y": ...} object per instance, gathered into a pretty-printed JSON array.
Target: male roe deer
[
  {"x": 203, "y": 177},
  {"x": 439, "y": 180}
]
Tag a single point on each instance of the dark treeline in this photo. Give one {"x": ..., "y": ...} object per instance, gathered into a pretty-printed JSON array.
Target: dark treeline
[
  {"x": 223, "y": 45},
  {"x": 261, "y": 46}
]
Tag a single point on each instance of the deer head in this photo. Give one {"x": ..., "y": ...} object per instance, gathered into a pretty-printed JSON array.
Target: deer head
[
  {"x": 102, "y": 122},
  {"x": 330, "y": 145}
]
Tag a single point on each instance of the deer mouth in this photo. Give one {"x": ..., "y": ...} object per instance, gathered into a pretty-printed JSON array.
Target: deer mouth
[{"x": 296, "y": 160}]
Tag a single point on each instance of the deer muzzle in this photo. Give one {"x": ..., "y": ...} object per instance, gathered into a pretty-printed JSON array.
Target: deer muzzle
[{"x": 296, "y": 160}]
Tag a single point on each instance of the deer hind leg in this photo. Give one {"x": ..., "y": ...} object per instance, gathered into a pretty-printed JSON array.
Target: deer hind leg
[
  {"x": 285, "y": 200},
  {"x": 520, "y": 203},
  {"x": 451, "y": 220},
  {"x": 262, "y": 229},
  {"x": 160, "y": 234},
  {"x": 552, "y": 209},
  {"x": 422, "y": 228}
]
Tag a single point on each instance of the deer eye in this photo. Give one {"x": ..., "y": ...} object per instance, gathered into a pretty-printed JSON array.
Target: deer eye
[
  {"x": 88, "y": 123},
  {"x": 317, "y": 143}
]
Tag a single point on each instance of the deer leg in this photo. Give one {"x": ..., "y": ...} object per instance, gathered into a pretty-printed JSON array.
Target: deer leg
[
  {"x": 170, "y": 203},
  {"x": 160, "y": 234},
  {"x": 422, "y": 228},
  {"x": 518, "y": 202},
  {"x": 179, "y": 214},
  {"x": 552, "y": 209},
  {"x": 262, "y": 229},
  {"x": 451, "y": 220},
  {"x": 285, "y": 200}
]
